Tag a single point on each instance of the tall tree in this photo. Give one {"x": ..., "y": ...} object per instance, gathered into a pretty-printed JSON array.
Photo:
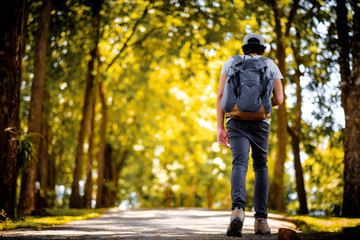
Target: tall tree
[
  {"x": 108, "y": 192},
  {"x": 27, "y": 195},
  {"x": 276, "y": 193},
  {"x": 44, "y": 167},
  {"x": 350, "y": 95},
  {"x": 295, "y": 130},
  {"x": 102, "y": 145},
  {"x": 88, "y": 189},
  {"x": 75, "y": 198},
  {"x": 12, "y": 24}
]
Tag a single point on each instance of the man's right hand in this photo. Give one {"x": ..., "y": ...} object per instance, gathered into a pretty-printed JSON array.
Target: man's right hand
[{"x": 222, "y": 137}]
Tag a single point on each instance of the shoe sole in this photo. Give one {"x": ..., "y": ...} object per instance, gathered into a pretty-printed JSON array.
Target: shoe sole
[
  {"x": 235, "y": 228},
  {"x": 262, "y": 233},
  {"x": 232, "y": 233}
]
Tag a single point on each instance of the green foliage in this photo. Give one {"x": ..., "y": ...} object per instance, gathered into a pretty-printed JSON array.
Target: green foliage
[
  {"x": 324, "y": 176},
  {"x": 323, "y": 224},
  {"x": 26, "y": 149},
  {"x": 51, "y": 217},
  {"x": 2, "y": 215}
]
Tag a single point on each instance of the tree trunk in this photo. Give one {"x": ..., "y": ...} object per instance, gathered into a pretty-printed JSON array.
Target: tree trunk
[
  {"x": 168, "y": 195},
  {"x": 295, "y": 131},
  {"x": 75, "y": 198},
  {"x": 276, "y": 193},
  {"x": 27, "y": 194},
  {"x": 296, "y": 150},
  {"x": 350, "y": 95},
  {"x": 108, "y": 188},
  {"x": 55, "y": 168},
  {"x": 210, "y": 195},
  {"x": 114, "y": 181},
  {"x": 116, "y": 187},
  {"x": 88, "y": 184},
  {"x": 102, "y": 144},
  {"x": 43, "y": 167},
  {"x": 52, "y": 180},
  {"x": 118, "y": 169},
  {"x": 50, "y": 194},
  {"x": 300, "y": 187},
  {"x": 112, "y": 173},
  {"x": 12, "y": 24}
]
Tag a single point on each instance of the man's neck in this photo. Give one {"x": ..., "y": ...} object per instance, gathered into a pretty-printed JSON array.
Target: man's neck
[{"x": 253, "y": 54}]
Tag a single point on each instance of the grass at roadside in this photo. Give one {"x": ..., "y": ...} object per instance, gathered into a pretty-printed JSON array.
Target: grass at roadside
[
  {"x": 53, "y": 217},
  {"x": 323, "y": 224}
]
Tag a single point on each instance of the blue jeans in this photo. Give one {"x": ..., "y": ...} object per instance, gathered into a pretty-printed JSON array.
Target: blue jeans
[{"x": 243, "y": 134}]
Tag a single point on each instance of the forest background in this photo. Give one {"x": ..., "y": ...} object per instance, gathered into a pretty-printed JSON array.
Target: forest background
[{"x": 117, "y": 104}]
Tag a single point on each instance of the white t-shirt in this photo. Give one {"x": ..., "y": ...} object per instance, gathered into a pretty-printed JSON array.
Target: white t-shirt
[{"x": 272, "y": 67}]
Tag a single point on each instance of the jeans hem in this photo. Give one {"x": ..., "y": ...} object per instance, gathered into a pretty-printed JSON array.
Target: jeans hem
[
  {"x": 260, "y": 215},
  {"x": 233, "y": 207}
]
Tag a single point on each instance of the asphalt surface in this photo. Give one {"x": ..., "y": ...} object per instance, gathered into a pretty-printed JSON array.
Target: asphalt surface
[{"x": 151, "y": 224}]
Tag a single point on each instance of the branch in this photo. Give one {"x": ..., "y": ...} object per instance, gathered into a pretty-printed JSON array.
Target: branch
[
  {"x": 296, "y": 51},
  {"x": 146, "y": 35},
  {"x": 132, "y": 34},
  {"x": 292, "y": 13},
  {"x": 290, "y": 131},
  {"x": 277, "y": 21}
]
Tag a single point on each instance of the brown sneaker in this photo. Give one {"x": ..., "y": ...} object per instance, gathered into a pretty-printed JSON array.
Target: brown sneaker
[
  {"x": 261, "y": 226},
  {"x": 236, "y": 223}
]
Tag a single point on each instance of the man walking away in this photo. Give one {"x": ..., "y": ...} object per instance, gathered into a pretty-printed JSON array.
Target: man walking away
[{"x": 247, "y": 129}]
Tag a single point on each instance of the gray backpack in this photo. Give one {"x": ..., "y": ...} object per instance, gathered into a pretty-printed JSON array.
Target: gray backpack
[{"x": 247, "y": 92}]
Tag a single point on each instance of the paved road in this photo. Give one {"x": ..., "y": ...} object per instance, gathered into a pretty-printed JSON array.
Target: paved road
[{"x": 150, "y": 224}]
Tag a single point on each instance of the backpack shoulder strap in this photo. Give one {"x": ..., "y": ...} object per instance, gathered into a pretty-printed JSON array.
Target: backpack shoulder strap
[
  {"x": 262, "y": 58},
  {"x": 264, "y": 79}
]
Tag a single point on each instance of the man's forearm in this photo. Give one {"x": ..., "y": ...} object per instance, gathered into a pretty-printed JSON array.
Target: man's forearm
[
  {"x": 220, "y": 114},
  {"x": 220, "y": 120},
  {"x": 275, "y": 101}
]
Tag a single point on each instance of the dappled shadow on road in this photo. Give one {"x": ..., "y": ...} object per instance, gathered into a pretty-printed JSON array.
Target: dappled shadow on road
[
  {"x": 248, "y": 236},
  {"x": 159, "y": 224},
  {"x": 144, "y": 236},
  {"x": 143, "y": 224}
]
